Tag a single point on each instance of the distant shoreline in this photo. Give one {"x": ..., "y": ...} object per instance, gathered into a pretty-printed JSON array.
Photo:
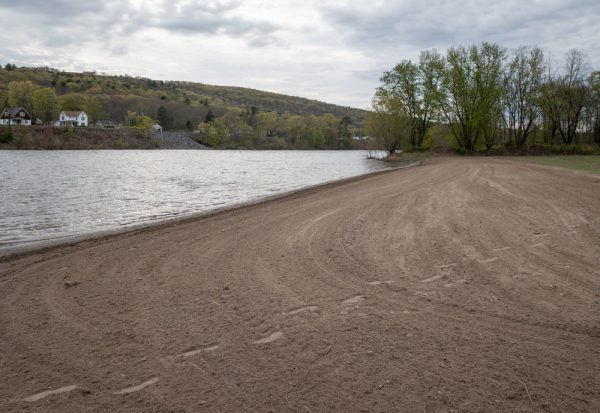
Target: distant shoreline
[{"x": 45, "y": 138}]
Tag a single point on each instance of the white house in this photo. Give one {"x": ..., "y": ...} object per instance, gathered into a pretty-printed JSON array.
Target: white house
[
  {"x": 72, "y": 118},
  {"x": 15, "y": 116},
  {"x": 157, "y": 127}
]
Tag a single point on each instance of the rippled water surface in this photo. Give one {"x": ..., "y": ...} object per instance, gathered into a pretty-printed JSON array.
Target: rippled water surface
[{"x": 47, "y": 195}]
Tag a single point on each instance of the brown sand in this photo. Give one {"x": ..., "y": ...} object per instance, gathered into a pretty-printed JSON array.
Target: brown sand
[{"x": 458, "y": 285}]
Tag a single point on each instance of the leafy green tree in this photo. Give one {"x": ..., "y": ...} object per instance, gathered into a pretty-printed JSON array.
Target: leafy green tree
[
  {"x": 209, "y": 117},
  {"x": 20, "y": 93},
  {"x": 315, "y": 137},
  {"x": 164, "y": 118},
  {"x": 330, "y": 126},
  {"x": 264, "y": 123},
  {"x": 344, "y": 133},
  {"x": 93, "y": 108},
  {"x": 416, "y": 88},
  {"x": 3, "y": 99},
  {"x": 45, "y": 104},
  {"x": 139, "y": 121},
  {"x": 296, "y": 129},
  {"x": 388, "y": 124},
  {"x": 72, "y": 101},
  {"x": 472, "y": 86},
  {"x": 233, "y": 121},
  {"x": 212, "y": 133}
]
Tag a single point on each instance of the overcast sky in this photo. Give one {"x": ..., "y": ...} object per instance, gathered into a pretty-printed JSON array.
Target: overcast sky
[{"x": 334, "y": 51}]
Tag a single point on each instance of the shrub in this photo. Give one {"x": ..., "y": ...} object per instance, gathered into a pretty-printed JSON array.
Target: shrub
[
  {"x": 6, "y": 136},
  {"x": 121, "y": 144},
  {"x": 574, "y": 149}
]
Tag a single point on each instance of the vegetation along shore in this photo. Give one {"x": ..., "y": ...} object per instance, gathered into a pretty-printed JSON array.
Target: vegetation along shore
[{"x": 480, "y": 98}]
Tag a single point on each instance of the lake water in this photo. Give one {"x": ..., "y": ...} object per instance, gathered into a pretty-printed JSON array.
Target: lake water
[{"x": 49, "y": 195}]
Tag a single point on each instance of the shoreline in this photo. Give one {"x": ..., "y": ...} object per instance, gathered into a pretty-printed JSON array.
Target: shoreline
[
  {"x": 44, "y": 246},
  {"x": 447, "y": 285}
]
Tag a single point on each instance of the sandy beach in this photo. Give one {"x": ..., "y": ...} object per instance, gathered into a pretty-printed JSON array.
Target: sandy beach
[{"x": 463, "y": 284}]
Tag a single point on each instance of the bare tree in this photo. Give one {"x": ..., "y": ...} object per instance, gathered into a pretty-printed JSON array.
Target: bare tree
[
  {"x": 523, "y": 80},
  {"x": 594, "y": 107},
  {"x": 564, "y": 97}
]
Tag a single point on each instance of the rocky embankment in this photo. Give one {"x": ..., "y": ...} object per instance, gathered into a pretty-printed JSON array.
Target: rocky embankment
[
  {"x": 45, "y": 138},
  {"x": 176, "y": 140}
]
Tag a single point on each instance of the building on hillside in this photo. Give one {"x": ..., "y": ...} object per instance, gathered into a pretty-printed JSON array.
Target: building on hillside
[
  {"x": 108, "y": 124},
  {"x": 76, "y": 118},
  {"x": 157, "y": 128},
  {"x": 15, "y": 116}
]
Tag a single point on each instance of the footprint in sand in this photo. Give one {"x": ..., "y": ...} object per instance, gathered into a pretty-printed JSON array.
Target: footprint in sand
[
  {"x": 431, "y": 279},
  {"x": 198, "y": 351},
  {"x": 349, "y": 301},
  {"x": 310, "y": 308},
  {"x": 380, "y": 282},
  {"x": 275, "y": 336},
  {"x": 39, "y": 396},
  {"x": 139, "y": 387},
  {"x": 354, "y": 300},
  {"x": 454, "y": 283}
]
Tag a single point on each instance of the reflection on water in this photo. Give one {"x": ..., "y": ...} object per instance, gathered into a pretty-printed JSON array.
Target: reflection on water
[{"x": 52, "y": 194}]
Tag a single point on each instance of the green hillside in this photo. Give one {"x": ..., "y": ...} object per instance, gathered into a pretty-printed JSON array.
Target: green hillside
[{"x": 226, "y": 115}]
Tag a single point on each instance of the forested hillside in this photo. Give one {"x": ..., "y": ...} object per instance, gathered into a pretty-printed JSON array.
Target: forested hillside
[{"x": 225, "y": 116}]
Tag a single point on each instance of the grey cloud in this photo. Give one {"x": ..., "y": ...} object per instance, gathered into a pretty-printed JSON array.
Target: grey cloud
[
  {"x": 61, "y": 9},
  {"x": 333, "y": 50},
  {"x": 416, "y": 24},
  {"x": 73, "y": 21}
]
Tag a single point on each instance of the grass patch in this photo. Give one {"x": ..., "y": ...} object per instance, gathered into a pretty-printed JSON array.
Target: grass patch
[
  {"x": 589, "y": 163},
  {"x": 407, "y": 156}
]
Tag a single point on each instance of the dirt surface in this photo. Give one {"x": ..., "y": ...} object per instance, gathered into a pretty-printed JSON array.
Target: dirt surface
[{"x": 458, "y": 285}]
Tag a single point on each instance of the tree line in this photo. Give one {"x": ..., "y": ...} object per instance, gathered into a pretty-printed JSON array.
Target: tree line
[
  {"x": 254, "y": 128},
  {"x": 487, "y": 97}
]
